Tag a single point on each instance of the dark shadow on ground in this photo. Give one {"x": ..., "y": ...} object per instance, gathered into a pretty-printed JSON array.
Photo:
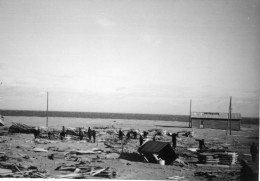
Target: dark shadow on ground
[
  {"x": 253, "y": 137},
  {"x": 133, "y": 157},
  {"x": 172, "y": 126}
]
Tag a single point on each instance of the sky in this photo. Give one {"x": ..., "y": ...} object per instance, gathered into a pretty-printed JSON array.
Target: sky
[{"x": 130, "y": 56}]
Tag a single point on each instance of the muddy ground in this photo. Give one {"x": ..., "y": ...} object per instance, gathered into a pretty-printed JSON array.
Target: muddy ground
[{"x": 127, "y": 164}]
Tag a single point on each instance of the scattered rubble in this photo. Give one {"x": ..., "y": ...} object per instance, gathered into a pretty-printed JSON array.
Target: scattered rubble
[
  {"x": 21, "y": 128},
  {"x": 81, "y": 163}
]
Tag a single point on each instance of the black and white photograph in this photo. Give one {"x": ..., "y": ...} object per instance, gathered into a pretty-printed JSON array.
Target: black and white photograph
[{"x": 130, "y": 89}]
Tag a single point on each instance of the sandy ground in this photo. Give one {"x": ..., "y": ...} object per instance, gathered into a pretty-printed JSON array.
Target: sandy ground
[{"x": 128, "y": 165}]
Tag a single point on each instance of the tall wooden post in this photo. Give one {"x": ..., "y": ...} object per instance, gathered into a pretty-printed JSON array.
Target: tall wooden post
[
  {"x": 47, "y": 109},
  {"x": 227, "y": 125},
  {"x": 228, "y": 121},
  {"x": 190, "y": 121},
  {"x": 230, "y": 117}
]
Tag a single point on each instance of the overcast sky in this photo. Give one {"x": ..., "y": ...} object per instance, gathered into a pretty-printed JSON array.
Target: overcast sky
[{"x": 132, "y": 56}]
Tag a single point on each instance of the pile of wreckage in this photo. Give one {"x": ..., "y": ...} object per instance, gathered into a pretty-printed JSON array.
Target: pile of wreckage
[
  {"x": 221, "y": 157},
  {"x": 21, "y": 128},
  {"x": 10, "y": 168},
  {"x": 13, "y": 170},
  {"x": 85, "y": 171},
  {"x": 157, "y": 151},
  {"x": 44, "y": 131}
]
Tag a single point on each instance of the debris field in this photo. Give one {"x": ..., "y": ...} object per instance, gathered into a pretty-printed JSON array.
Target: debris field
[{"x": 47, "y": 156}]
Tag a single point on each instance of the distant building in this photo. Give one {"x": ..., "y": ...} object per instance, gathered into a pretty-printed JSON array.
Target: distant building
[{"x": 215, "y": 120}]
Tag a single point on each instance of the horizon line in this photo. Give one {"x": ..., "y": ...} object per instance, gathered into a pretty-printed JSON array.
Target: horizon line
[{"x": 115, "y": 112}]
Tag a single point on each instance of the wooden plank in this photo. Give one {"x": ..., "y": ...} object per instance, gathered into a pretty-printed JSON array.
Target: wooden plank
[
  {"x": 210, "y": 165},
  {"x": 98, "y": 171}
]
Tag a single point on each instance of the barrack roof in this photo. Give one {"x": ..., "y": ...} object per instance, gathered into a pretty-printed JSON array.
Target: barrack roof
[{"x": 214, "y": 115}]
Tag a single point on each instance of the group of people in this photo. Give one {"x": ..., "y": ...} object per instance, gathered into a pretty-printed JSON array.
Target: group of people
[
  {"x": 128, "y": 135},
  {"x": 145, "y": 134},
  {"x": 90, "y": 134}
]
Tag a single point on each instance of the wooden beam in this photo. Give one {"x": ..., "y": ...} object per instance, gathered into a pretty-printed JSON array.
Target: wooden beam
[
  {"x": 190, "y": 121},
  {"x": 47, "y": 121},
  {"x": 230, "y": 116}
]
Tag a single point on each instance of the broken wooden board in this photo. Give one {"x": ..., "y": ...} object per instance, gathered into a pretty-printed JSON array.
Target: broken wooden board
[
  {"x": 82, "y": 152},
  {"x": 39, "y": 150},
  {"x": 211, "y": 165},
  {"x": 193, "y": 149},
  {"x": 98, "y": 171},
  {"x": 176, "y": 178},
  {"x": 71, "y": 176},
  {"x": 5, "y": 171},
  {"x": 112, "y": 155}
]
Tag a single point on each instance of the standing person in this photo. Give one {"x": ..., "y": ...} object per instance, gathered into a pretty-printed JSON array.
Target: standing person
[
  {"x": 201, "y": 144},
  {"x": 36, "y": 133},
  {"x": 154, "y": 137},
  {"x": 145, "y": 134},
  {"x": 254, "y": 151},
  {"x": 128, "y": 135},
  {"x": 135, "y": 134},
  {"x": 141, "y": 140},
  {"x": 62, "y": 133},
  {"x": 80, "y": 134},
  {"x": 120, "y": 134},
  {"x": 174, "y": 135},
  {"x": 94, "y": 135},
  {"x": 89, "y": 134},
  {"x": 49, "y": 135}
]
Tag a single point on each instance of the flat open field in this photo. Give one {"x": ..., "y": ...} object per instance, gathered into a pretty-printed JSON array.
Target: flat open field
[{"x": 129, "y": 165}]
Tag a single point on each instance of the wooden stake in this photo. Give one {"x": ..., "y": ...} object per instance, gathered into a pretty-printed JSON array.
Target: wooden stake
[
  {"x": 230, "y": 117},
  {"x": 47, "y": 109},
  {"x": 227, "y": 125},
  {"x": 190, "y": 121}
]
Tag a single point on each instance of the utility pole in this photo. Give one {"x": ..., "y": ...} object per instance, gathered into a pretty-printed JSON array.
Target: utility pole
[
  {"x": 228, "y": 120},
  {"x": 190, "y": 121},
  {"x": 230, "y": 117},
  {"x": 47, "y": 109},
  {"x": 227, "y": 125}
]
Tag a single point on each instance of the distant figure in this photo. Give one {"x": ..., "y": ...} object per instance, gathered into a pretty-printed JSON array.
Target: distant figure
[
  {"x": 141, "y": 140},
  {"x": 135, "y": 134},
  {"x": 128, "y": 135},
  {"x": 145, "y": 134},
  {"x": 120, "y": 134},
  {"x": 154, "y": 137},
  {"x": 201, "y": 144},
  {"x": 62, "y": 134},
  {"x": 174, "y": 135},
  {"x": 36, "y": 133},
  {"x": 80, "y": 134},
  {"x": 94, "y": 135},
  {"x": 89, "y": 134},
  {"x": 254, "y": 151},
  {"x": 49, "y": 135}
]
